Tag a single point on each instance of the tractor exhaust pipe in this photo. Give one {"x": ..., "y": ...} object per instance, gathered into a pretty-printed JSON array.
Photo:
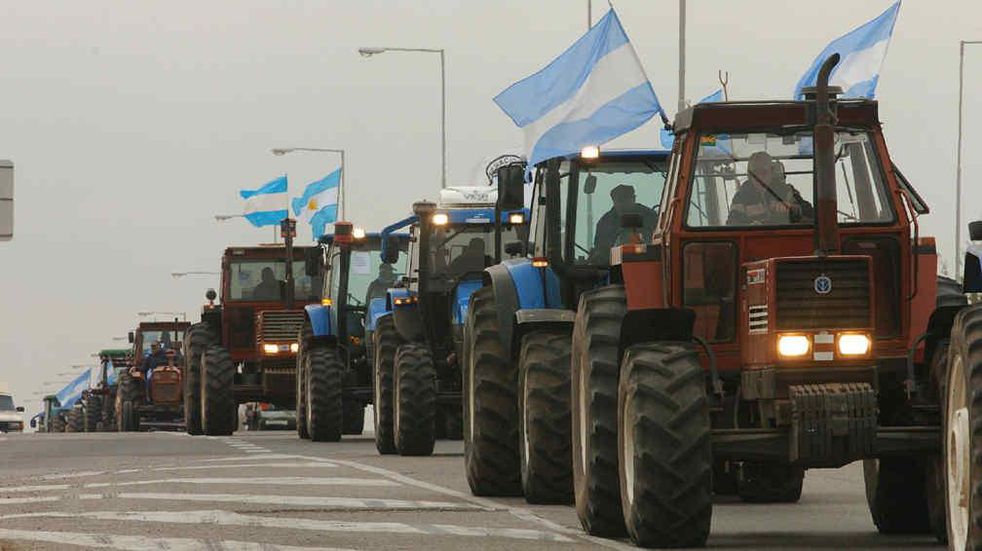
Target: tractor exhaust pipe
[{"x": 826, "y": 206}]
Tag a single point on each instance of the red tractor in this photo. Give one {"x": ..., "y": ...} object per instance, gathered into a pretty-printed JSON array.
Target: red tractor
[
  {"x": 157, "y": 403},
  {"x": 785, "y": 314},
  {"x": 245, "y": 348}
]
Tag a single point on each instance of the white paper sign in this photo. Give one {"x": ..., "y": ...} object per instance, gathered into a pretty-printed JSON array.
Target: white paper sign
[{"x": 361, "y": 263}]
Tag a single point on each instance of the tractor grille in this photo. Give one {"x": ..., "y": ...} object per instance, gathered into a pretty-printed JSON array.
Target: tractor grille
[
  {"x": 279, "y": 326},
  {"x": 166, "y": 385},
  {"x": 846, "y": 306}
]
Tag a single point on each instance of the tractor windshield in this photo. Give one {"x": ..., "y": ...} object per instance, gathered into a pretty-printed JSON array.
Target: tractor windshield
[
  {"x": 169, "y": 339},
  {"x": 368, "y": 276},
  {"x": 458, "y": 249},
  {"x": 767, "y": 180},
  {"x": 265, "y": 280}
]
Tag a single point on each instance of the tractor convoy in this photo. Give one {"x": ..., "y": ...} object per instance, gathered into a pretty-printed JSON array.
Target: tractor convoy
[{"x": 631, "y": 334}]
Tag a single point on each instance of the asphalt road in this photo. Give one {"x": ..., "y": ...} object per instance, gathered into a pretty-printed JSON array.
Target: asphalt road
[{"x": 271, "y": 491}]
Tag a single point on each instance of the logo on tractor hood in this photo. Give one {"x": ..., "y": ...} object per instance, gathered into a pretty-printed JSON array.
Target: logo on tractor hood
[{"x": 823, "y": 284}]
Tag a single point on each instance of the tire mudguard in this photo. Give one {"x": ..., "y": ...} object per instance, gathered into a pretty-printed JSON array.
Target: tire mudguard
[
  {"x": 462, "y": 299},
  {"x": 320, "y": 320},
  {"x": 517, "y": 285},
  {"x": 376, "y": 309}
]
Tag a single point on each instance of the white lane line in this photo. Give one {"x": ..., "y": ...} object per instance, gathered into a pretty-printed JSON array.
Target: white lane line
[
  {"x": 298, "y": 465},
  {"x": 292, "y": 501},
  {"x": 486, "y": 504},
  {"x": 71, "y": 475},
  {"x": 229, "y": 518},
  {"x": 143, "y": 543},
  {"x": 276, "y": 456},
  {"x": 19, "y": 500},
  {"x": 128, "y": 471},
  {"x": 35, "y": 488},
  {"x": 274, "y": 480}
]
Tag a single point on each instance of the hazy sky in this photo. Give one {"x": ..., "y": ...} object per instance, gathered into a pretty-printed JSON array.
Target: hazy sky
[{"x": 132, "y": 123}]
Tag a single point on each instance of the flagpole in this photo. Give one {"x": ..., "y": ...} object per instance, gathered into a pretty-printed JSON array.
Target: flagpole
[{"x": 958, "y": 156}]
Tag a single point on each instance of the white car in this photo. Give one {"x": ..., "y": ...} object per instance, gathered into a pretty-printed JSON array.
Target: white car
[{"x": 11, "y": 419}]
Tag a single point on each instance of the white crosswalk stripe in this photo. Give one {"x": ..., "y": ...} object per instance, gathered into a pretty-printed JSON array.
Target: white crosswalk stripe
[
  {"x": 142, "y": 543},
  {"x": 295, "y": 501}
]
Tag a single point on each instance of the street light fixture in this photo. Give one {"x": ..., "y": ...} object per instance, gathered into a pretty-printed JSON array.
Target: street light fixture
[
  {"x": 183, "y": 315},
  {"x": 280, "y": 151},
  {"x": 958, "y": 155},
  {"x": 370, "y": 51},
  {"x": 224, "y": 217},
  {"x": 178, "y": 275}
]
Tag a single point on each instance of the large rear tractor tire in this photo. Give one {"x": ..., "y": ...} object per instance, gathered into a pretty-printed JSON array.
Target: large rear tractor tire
[
  {"x": 595, "y": 372},
  {"x": 58, "y": 424},
  {"x": 769, "y": 483},
  {"x": 218, "y": 407},
  {"x": 962, "y": 443},
  {"x": 75, "y": 423},
  {"x": 92, "y": 413},
  {"x": 128, "y": 394},
  {"x": 198, "y": 337},
  {"x": 895, "y": 495},
  {"x": 386, "y": 340},
  {"x": 949, "y": 293},
  {"x": 324, "y": 414},
  {"x": 491, "y": 447},
  {"x": 353, "y": 415},
  {"x": 544, "y": 428},
  {"x": 415, "y": 400},
  {"x": 453, "y": 421},
  {"x": 666, "y": 460}
]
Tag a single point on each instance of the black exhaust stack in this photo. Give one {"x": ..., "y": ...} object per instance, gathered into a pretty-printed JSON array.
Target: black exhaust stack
[{"x": 826, "y": 206}]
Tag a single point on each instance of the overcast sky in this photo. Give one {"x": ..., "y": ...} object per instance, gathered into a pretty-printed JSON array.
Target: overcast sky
[{"x": 132, "y": 123}]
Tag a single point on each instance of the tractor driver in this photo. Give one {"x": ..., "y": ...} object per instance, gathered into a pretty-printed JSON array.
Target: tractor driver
[
  {"x": 766, "y": 197},
  {"x": 609, "y": 229},
  {"x": 268, "y": 288},
  {"x": 472, "y": 259},
  {"x": 385, "y": 280}
]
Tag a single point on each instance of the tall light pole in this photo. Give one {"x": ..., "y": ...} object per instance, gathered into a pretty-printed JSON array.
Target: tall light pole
[
  {"x": 681, "y": 55},
  {"x": 958, "y": 155},
  {"x": 369, "y": 52},
  {"x": 280, "y": 151}
]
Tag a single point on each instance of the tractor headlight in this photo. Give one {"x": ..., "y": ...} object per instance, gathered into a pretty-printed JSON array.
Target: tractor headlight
[
  {"x": 516, "y": 218},
  {"x": 440, "y": 219},
  {"x": 590, "y": 152},
  {"x": 358, "y": 233},
  {"x": 854, "y": 344},
  {"x": 793, "y": 346},
  {"x": 271, "y": 348},
  {"x": 294, "y": 347}
]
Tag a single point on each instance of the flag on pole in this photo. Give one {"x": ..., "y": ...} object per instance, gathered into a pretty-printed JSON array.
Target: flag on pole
[
  {"x": 73, "y": 390},
  {"x": 266, "y": 206},
  {"x": 319, "y": 203},
  {"x": 594, "y": 92},
  {"x": 862, "y": 52}
]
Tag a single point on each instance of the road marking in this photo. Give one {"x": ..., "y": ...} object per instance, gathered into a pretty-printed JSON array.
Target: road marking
[
  {"x": 311, "y": 465},
  {"x": 229, "y": 518},
  {"x": 71, "y": 475},
  {"x": 277, "y": 480},
  {"x": 277, "y": 456},
  {"x": 128, "y": 471},
  {"x": 19, "y": 500},
  {"x": 142, "y": 543},
  {"x": 35, "y": 488},
  {"x": 292, "y": 501}
]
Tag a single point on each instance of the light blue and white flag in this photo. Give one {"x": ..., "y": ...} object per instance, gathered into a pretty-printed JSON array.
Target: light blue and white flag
[
  {"x": 73, "y": 390},
  {"x": 862, "y": 52},
  {"x": 668, "y": 139},
  {"x": 266, "y": 206},
  {"x": 594, "y": 92},
  {"x": 319, "y": 203}
]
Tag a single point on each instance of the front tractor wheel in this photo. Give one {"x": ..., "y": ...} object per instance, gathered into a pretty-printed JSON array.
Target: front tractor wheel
[
  {"x": 415, "y": 400},
  {"x": 197, "y": 338},
  {"x": 218, "y": 415},
  {"x": 666, "y": 461},
  {"x": 962, "y": 444},
  {"x": 547, "y": 470},
  {"x": 385, "y": 341},
  {"x": 323, "y": 372},
  {"x": 92, "y": 413},
  {"x": 128, "y": 395},
  {"x": 300, "y": 377}
]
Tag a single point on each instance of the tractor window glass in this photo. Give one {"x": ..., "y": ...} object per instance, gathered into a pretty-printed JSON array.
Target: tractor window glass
[
  {"x": 368, "y": 276},
  {"x": 169, "y": 339},
  {"x": 606, "y": 191},
  {"x": 709, "y": 288},
  {"x": 265, "y": 280},
  {"x": 767, "y": 180},
  {"x": 459, "y": 249}
]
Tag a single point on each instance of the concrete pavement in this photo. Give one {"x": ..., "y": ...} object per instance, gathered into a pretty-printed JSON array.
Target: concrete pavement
[{"x": 273, "y": 491}]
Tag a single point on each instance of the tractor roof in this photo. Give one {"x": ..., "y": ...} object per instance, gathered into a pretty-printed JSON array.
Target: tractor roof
[
  {"x": 762, "y": 115},
  {"x": 468, "y": 197},
  {"x": 273, "y": 251},
  {"x": 115, "y": 352},
  {"x": 163, "y": 325},
  {"x": 627, "y": 153}
]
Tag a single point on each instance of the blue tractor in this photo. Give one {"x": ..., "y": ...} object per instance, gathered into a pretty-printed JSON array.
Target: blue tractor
[
  {"x": 517, "y": 416},
  {"x": 418, "y": 335},
  {"x": 334, "y": 370}
]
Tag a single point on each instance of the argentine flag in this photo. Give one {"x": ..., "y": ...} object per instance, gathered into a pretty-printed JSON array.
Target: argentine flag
[
  {"x": 592, "y": 93},
  {"x": 668, "y": 138},
  {"x": 862, "y": 52},
  {"x": 266, "y": 206},
  {"x": 319, "y": 203},
  {"x": 73, "y": 390}
]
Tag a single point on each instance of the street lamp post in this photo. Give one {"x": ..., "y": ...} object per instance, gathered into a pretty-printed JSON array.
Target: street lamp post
[
  {"x": 280, "y": 151},
  {"x": 369, "y": 52},
  {"x": 958, "y": 155}
]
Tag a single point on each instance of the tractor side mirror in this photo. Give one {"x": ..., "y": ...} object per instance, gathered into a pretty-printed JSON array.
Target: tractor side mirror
[
  {"x": 511, "y": 187},
  {"x": 19, "y": 409},
  {"x": 632, "y": 220},
  {"x": 975, "y": 230},
  {"x": 210, "y": 294},
  {"x": 390, "y": 251},
  {"x": 515, "y": 248},
  {"x": 34, "y": 423},
  {"x": 313, "y": 262},
  {"x": 131, "y": 337},
  {"x": 590, "y": 184}
]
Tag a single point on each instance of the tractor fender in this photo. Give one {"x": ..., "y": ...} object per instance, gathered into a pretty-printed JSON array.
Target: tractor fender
[
  {"x": 656, "y": 324},
  {"x": 535, "y": 319},
  {"x": 462, "y": 298},
  {"x": 407, "y": 318},
  {"x": 319, "y": 316},
  {"x": 517, "y": 285},
  {"x": 376, "y": 309}
]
